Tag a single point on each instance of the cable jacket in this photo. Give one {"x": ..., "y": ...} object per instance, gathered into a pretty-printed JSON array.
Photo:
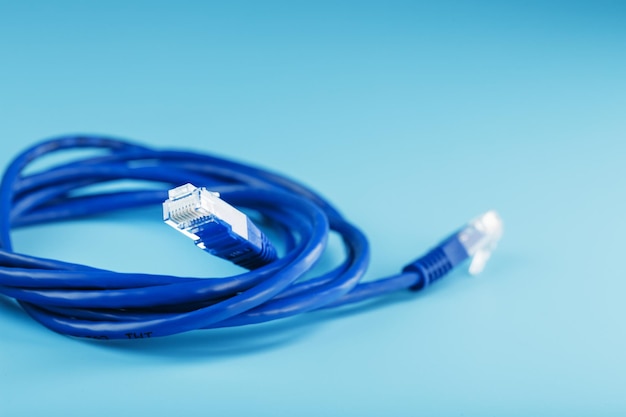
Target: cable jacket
[{"x": 82, "y": 301}]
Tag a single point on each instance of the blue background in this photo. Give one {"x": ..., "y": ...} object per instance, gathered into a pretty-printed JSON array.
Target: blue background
[{"x": 412, "y": 117}]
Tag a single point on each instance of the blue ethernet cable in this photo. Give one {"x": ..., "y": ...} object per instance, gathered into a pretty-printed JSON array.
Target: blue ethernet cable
[{"x": 201, "y": 196}]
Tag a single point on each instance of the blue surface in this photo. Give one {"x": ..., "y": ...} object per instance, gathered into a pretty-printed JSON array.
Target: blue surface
[{"x": 412, "y": 118}]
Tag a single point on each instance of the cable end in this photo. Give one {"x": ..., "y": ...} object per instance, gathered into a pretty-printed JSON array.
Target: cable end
[
  {"x": 480, "y": 238},
  {"x": 476, "y": 241},
  {"x": 217, "y": 227}
]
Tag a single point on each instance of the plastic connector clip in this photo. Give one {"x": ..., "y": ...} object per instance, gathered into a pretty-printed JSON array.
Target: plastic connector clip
[
  {"x": 476, "y": 240},
  {"x": 217, "y": 227}
]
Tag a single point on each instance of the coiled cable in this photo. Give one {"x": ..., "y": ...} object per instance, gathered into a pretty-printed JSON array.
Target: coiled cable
[{"x": 83, "y": 301}]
